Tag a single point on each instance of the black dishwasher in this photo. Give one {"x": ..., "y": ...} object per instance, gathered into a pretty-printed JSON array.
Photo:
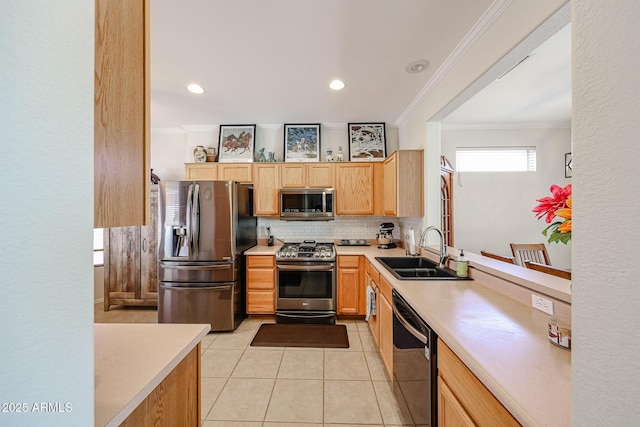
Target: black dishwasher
[{"x": 414, "y": 363}]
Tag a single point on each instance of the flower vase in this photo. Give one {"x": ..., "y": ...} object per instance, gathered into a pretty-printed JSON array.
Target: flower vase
[
  {"x": 261, "y": 157},
  {"x": 199, "y": 154},
  {"x": 272, "y": 157}
]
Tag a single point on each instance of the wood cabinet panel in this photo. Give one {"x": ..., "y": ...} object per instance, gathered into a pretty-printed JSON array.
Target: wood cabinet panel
[
  {"x": 293, "y": 175},
  {"x": 307, "y": 175},
  {"x": 354, "y": 192},
  {"x": 374, "y": 324},
  {"x": 175, "y": 401},
  {"x": 476, "y": 400},
  {"x": 261, "y": 284},
  {"x": 348, "y": 287},
  {"x": 121, "y": 114},
  {"x": 403, "y": 183},
  {"x": 201, "y": 171},
  {"x": 451, "y": 413},
  {"x": 131, "y": 262},
  {"x": 320, "y": 175},
  {"x": 234, "y": 172},
  {"x": 385, "y": 317},
  {"x": 266, "y": 185}
]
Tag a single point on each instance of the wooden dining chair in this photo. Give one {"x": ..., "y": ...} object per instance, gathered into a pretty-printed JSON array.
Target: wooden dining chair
[
  {"x": 560, "y": 272},
  {"x": 536, "y": 252},
  {"x": 509, "y": 259}
]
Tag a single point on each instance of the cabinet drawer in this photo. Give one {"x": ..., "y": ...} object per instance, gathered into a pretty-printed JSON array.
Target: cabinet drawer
[
  {"x": 373, "y": 273},
  {"x": 348, "y": 261},
  {"x": 261, "y": 261},
  {"x": 260, "y": 279},
  {"x": 385, "y": 288},
  {"x": 260, "y": 302}
]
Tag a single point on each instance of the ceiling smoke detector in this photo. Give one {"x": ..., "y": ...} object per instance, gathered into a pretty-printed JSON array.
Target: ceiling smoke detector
[{"x": 417, "y": 66}]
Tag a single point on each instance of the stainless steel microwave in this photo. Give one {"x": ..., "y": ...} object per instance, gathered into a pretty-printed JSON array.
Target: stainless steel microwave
[{"x": 306, "y": 204}]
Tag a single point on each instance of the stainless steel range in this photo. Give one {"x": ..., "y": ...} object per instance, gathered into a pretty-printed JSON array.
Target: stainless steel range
[{"x": 306, "y": 283}]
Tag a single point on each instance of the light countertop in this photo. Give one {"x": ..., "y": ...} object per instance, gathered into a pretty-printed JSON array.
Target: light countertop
[
  {"x": 132, "y": 359},
  {"x": 502, "y": 341}
]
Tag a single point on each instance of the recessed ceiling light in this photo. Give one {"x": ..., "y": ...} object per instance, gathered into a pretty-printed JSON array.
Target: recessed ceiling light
[
  {"x": 417, "y": 66},
  {"x": 336, "y": 84},
  {"x": 195, "y": 88}
]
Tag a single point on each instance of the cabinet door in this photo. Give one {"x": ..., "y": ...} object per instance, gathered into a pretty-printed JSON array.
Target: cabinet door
[
  {"x": 201, "y": 171},
  {"x": 348, "y": 284},
  {"x": 122, "y": 263},
  {"x": 121, "y": 114},
  {"x": 374, "y": 324},
  {"x": 320, "y": 175},
  {"x": 451, "y": 413},
  {"x": 293, "y": 175},
  {"x": 391, "y": 185},
  {"x": 265, "y": 189},
  {"x": 385, "y": 317},
  {"x": 234, "y": 172},
  {"x": 149, "y": 252},
  {"x": 261, "y": 279},
  {"x": 354, "y": 189}
]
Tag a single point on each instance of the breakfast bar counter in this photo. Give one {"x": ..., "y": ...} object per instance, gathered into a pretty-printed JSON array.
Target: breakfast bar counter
[{"x": 133, "y": 360}]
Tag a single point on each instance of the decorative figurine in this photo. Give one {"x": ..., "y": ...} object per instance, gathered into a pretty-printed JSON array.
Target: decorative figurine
[
  {"x": 340, "y": 155},
  {"x": 199, "y": 154},
  {"x": 261, "y": 157},
  {"x": 329, "y": 156},
  {"x": 272, "y": 157}
]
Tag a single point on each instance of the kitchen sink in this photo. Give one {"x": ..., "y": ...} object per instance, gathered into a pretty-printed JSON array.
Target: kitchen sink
[{"x": 417, "y": 268}]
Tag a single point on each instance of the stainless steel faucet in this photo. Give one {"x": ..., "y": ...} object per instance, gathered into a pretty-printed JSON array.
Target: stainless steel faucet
[{"x": 443, "y": 249}]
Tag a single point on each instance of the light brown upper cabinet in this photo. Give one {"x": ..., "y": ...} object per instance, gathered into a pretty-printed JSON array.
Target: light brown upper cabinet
[
  {"x": 122, "y": 174},
  {"x": 201, "y": 171},
  {"x": 235, "y": 172},
  {"x": 306, "y": 175},
  {"x": 266, "y": 186},
  {"x": 403, "y": 184},
  {"x": 358, "y": 188}
]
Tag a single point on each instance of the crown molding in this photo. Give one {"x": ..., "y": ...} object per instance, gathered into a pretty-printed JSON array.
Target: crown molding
[
  {"x": 506, "y": 125},
  {"x": 494, "y": 11}
]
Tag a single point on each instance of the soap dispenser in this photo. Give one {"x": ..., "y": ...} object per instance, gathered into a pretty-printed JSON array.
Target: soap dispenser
[{"x": 462, "y": 265}]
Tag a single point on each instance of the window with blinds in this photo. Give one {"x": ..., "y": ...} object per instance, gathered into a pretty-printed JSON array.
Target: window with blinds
[{"x": 496, "y": 159}]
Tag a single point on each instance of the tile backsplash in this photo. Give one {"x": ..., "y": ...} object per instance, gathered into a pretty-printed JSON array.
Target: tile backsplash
[{"x": 346, "y": 227}]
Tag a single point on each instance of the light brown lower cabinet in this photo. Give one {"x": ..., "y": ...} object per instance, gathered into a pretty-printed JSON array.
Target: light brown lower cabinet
[
  {"x": 385, "y": 318},
  {"x": 462, "y": 398},
  {"x": 349, "y": 298},
  {"x": 261, "y": 284},
  {"x": 175, "y": 401},
  {"x": 372, "y": 279}
]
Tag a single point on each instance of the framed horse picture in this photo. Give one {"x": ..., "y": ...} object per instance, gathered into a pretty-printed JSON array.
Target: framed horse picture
[
  {"x": 236, "y": 143},
  {"x": 302, "y": 143}
]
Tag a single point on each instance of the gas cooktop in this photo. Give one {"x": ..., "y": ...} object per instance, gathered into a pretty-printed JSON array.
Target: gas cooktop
[{"x": 308, "y": 250}]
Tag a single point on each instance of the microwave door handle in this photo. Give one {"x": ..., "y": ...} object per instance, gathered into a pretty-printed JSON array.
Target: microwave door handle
[
  {"x": 324, "y": 202},
  {"x": 195, "y": 238},
  {"x": 188, "y": 216}
]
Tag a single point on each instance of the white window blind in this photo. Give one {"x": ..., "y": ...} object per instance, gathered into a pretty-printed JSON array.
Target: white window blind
[{"x": 496, "y": 159}]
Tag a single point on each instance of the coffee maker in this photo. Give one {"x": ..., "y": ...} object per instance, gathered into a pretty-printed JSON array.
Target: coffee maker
[{"x": 385, "y": 236}]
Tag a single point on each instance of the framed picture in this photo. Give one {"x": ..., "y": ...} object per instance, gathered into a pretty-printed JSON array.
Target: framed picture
[
  {"x": 568, "y": 165},
  {"x": 302, "y": 142},
  {"x": 367, "y": 142},
  {"x": 236, "y": 143}
]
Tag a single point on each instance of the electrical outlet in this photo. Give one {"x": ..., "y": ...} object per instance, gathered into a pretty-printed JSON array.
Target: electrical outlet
[{"x": 542, "y": 304}]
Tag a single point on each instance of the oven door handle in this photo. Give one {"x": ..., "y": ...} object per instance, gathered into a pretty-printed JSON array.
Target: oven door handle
[
  {"x": 305, "y": 267},
  {"x": 413, "y": 331}
]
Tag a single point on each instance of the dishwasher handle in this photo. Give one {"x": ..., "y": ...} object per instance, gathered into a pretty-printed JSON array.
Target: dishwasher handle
[{"x": 413, "y": 331}]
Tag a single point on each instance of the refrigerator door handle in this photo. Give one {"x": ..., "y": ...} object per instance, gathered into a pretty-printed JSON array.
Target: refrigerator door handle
[
  {"x": 168, "y": 285},
  {"x": 188, "y": 217},
  {"x": 195, "y": 267},
  {"x": 195, "y": 220}
]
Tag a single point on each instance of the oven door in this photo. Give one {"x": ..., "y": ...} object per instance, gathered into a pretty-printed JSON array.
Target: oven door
[{"x": 306, "y": 286}]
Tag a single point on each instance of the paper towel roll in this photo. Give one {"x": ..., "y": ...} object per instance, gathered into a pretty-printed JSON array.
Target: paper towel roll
[{"x": 412, "y": 241}]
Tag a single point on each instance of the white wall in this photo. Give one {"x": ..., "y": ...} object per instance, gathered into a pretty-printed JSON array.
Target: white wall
[
  {"x": 493, "y": 209},
  {"x": 171, "y": 148},
  {"x": 46, "y": 215},
  {"x": 606, "y": 207}
]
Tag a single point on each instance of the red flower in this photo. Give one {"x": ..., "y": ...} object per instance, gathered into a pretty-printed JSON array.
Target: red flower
[{"x": 548, "y": 205}]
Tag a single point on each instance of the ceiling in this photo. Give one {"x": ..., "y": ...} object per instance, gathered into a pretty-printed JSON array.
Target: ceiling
[
  {"x": 270, "y": 62},
  {"x": 535, "y": 92}
]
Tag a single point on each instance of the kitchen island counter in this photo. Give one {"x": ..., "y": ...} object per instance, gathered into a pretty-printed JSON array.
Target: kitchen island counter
[{"x": 131, "y": 360}]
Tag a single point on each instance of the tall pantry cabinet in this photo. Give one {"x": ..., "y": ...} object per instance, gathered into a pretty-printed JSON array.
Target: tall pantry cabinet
[{"x": 131, "y": 262}]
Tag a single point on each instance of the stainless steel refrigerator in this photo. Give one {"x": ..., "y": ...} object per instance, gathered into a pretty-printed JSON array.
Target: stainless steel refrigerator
[{"x": 204, "y": 227}]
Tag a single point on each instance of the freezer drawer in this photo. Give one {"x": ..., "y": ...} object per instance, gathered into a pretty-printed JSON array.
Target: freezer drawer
[
  {"x": 197, "y": 272},
  {"x": 212, "y": 304}
]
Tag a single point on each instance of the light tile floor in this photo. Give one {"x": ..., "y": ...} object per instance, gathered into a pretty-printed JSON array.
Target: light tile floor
[{"x": 244, "y": 386}]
